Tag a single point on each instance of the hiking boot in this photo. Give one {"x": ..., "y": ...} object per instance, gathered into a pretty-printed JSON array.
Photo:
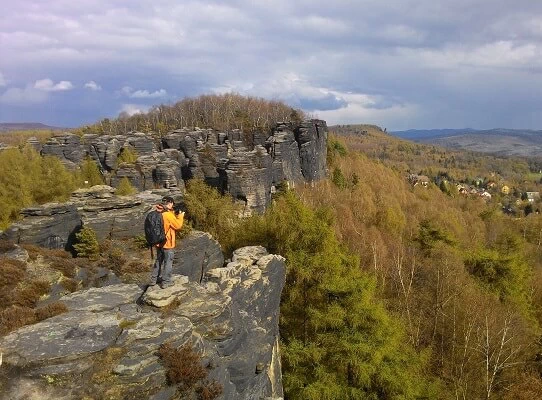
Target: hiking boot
[{"x": 164, "y": 285}]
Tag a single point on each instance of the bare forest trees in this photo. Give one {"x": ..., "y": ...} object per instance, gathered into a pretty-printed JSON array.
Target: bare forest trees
[{"x": 221, "y": 112}]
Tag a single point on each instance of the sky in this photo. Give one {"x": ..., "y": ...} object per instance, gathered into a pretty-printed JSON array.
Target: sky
[{"x": 399, "y": 64}]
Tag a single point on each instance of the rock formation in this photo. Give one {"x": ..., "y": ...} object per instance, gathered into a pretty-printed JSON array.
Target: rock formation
[
  {"x": 247, "y": 166},
  {"x": 54, "y": 225},
  {"x": 106, "y": 345}
]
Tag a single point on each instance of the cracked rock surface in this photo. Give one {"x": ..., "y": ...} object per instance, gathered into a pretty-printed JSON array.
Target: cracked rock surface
[{"x": 106, "y": 345}]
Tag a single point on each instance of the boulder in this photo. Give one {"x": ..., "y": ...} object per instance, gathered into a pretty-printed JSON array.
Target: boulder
[
  {"x": 50, "y": 225},
  {"x": 196, "y": 254}
]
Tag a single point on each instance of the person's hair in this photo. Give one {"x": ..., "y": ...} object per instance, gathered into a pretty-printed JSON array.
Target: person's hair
[{"x": 167, "y": 199}]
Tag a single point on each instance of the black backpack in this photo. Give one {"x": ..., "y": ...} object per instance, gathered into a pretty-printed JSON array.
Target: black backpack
[{"x": 154, "y": 229}]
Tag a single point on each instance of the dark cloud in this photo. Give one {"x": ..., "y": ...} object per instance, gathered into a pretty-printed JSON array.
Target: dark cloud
[{"x": 397, "y": 63}]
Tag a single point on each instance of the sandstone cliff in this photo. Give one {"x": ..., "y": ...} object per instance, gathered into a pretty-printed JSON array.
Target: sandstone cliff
[
  {"x": 106, "y": 345},
  {"x": 248, "y": 166}
]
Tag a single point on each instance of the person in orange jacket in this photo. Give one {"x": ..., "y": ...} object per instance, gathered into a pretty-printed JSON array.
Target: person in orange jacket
[{"x": 163, "y": 265}]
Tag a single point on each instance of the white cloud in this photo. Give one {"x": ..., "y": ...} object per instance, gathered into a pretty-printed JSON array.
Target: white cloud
[
  {"x": 47, "y": 85},
  {"x": 142, "y": 94},
  {"x": 2, "y": 80},
  {"x": 364, "y": 108},
  {"x": 145, "y": 94},
  {"x": 314, "y": 53},
  {"x": 23, "y": 97},
  {"x": 132, "y": 109},
  {"x": 93, "y": 86}
]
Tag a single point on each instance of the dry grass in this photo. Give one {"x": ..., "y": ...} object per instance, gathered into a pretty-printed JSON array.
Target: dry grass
[
  {"x": 184, "y": 370},
  {"x": 34, "y": 251},
  {"x": 209, "y": 390},
  {"x": 104, "y": 364},
  {"x": 67, "y": 266},
  {"x": 69, "y": 284},
  {"x": 50, "y": 310},
  {"x": 11, "y": 272},
  {"x": 27, "y": 294},
  {"x": 134, "y": 267},
  {"x": 15, "y": 317},
  {"x": 6, "y": 246},
  {"x": 183, "y": 365}
]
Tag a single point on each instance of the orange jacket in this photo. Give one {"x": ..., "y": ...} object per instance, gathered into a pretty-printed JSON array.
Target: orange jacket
[{"x": 172, "y": 224}]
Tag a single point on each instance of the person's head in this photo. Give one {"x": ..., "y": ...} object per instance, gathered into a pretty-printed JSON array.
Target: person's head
[{"x": 167, "y": 202}]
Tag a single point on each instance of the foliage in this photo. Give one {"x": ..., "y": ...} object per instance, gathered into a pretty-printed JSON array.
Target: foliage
[
  {"x": 127, "y": 156},
  {"x": 416, "y": 243},
  {"x": 208, "y": 210},
  {"x": 335, "y": 149},
  {"x": 338, "y": 341},
  {"x": 504, "y": 273},
  {"x": 338, "y": 178},
  {"x": 221, "y": 112},
  {"x": 429, "y": 234},
  {"x": 27, "y": 179},
  {"x": 90, "y": 174},
  {"x": 87, "y": 243},
  {"x": 125, "y": 188},
  {"x": 19, "y": 138},
  {"x": 185, "y": 371}
]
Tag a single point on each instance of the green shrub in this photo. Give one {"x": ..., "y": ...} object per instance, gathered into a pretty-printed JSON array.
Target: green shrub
[
  {"x": 332, "y": 324},
  {"x": 89, "y": 174},
  {"x": 28, "y": 179},
  {"x": 87, "y": 244},
  {"x": 127, "y": 156},
  {"x": 335, "y": 149},
  {"x": 212, "y": 212},
  {"x": 125, "y": 188},
  {"x": 141, "y": 242},
  {"x": 338, "y": 178}
]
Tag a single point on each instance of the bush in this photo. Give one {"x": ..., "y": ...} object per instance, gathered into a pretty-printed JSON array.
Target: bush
[
  {"x": 184, "y": 370},
  {"x": 11, "y": 272},
  {"x": 127, "y": 156},
  {"x": 15, "y": 317},
  {"x": 28, "y": 293},
  {"x": 125, "y": 188},
  {"x": 89, "y": 174},
  {"x": 209, "y": 211},
  {"x": 27, "y": 179},
  {"x": 50, "y": 310},
  {"x": 87, "y": 244},
  {"x": 338, "y": 178},
  {"x": 6, "y": 246}
]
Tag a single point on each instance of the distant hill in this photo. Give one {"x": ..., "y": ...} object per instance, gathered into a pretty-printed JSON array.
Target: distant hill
[
  {"x": 506, "y": 142},
  {"x": 27, "y": 126}
]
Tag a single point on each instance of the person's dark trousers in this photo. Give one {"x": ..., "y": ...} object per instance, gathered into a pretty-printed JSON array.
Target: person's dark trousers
[{"x": 163, "y": 266}]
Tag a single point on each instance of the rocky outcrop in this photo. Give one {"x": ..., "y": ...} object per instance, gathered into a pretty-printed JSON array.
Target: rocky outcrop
[
  {"x": 196, "y": 254},
  {"x": 106, "y": 345},
  {"x": 246, "y": 165},
  {"x": 51, "y": 225},
  {"x": 54, "y": 225}
]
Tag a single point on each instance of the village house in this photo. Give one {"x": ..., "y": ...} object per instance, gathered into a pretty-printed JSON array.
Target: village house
[
  {"x": 485, "y": 195},
  {"x": 419, "y": 180}
]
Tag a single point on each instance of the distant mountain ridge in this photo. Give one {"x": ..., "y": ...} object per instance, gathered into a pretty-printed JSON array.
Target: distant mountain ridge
[
  {"x": 501, "y": 141},
  {"x": 26, "y": 126}
]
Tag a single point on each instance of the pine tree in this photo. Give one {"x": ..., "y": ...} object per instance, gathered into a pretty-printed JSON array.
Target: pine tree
[
  {"x": 125, "y": 188},
  {"x": 90, "y": 174},
  {"x": 338, "y": 341}
]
